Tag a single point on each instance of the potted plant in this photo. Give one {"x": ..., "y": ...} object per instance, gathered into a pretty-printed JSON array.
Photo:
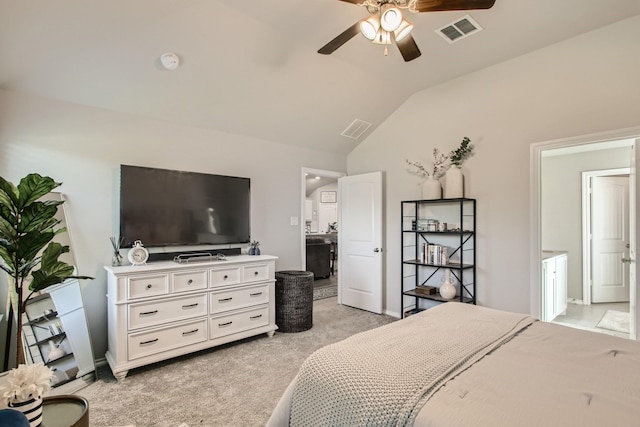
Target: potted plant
[
  {"x": 254, "y": 248},
  {"x": 28, "y": 253},
  {"x": 24, "y": 388}
]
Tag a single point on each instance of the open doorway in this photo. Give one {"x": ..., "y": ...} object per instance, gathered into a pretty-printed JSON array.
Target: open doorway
[
  {"x": 564, "y": 217},
  {"x": 319, "y": 205}
]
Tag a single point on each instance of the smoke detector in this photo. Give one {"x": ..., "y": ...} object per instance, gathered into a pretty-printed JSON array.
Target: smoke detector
[{"x": 170, "y": 61}]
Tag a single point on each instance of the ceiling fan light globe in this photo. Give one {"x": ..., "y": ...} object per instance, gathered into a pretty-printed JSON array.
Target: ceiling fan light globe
[
  {"x": 403, "y": 30},
  {"x": 382, "y": 37},
  {"x": 369, "y": 27},
  {"x": 390, "y": 18}
]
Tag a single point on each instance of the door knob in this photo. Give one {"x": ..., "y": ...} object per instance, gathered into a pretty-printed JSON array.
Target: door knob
[
  {"x": 625, "y": 260},
  {"x": 377, "y": 249}
]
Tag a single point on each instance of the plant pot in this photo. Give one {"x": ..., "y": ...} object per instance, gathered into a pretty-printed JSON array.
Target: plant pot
[
  {"x": 454, "y": 183},
  {"x": 431, "y": 189},
  {"x": 31, "y": 408}
]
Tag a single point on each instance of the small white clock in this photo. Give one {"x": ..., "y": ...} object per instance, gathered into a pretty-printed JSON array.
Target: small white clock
[{"x": 138, "y": 255}]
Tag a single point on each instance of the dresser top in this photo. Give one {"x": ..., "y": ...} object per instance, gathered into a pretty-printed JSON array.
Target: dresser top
[{"x": 172, "y": 265}]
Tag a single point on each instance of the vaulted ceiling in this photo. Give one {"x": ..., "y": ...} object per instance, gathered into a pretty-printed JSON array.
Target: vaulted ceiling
[{"x": 251, "y": 67}]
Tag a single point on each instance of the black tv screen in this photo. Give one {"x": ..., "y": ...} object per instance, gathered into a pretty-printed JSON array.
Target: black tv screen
[{"x": 169, "y": 208}]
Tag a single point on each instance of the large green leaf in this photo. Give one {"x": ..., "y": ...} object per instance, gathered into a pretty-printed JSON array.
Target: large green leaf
[
  {"x": 34, "y": 186},
  {"x": 8, "y": 194},
  {"x": 32, "y": 243},
  {"x": 39, "y": 216},
  {"x": 51, "y": 270}
]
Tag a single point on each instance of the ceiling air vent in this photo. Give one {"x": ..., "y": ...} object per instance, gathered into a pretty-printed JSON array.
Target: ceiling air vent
[
  {"x": 356, "y": 129},
  {"x": 460, "y": 29}
]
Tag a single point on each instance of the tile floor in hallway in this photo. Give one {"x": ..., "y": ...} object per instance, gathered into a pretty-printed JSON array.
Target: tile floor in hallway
[{"x": 587, "y": 316}]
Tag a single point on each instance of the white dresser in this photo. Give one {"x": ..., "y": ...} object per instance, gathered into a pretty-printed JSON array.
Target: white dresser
[{"x": 165, "y": 309}]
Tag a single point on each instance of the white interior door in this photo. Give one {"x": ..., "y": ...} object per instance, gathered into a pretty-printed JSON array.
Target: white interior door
[
  {"x": 610, "y": 239},
  {"x": 633, "y": 242},
  {"x": 360, "y": 241}
]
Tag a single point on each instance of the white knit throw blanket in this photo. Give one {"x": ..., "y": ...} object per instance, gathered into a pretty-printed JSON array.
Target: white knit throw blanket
[{"x": 383, "y": 377}]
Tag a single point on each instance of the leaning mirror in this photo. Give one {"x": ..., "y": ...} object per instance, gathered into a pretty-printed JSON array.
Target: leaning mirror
[{"x": 54, "y": 325}]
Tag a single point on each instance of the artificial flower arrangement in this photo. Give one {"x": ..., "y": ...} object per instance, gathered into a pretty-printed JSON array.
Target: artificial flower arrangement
[
  {"x": 442, "y": 162},
  {"x": 440, "y": 166},
  {"x": 26, "y": 382},
  {"x": 462, "y": 153},
  {"x": 254, "y": 248}
]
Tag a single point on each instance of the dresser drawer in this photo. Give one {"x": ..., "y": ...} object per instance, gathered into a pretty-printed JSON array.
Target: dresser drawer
[
  {"x": 157, "y": 341},
  {"x": 225, "y": 276},
  {"x": 232, "y": 299},
  {"x": 152, "y": 313},
  {"x": 189, "y": 280},
  {"x": 148, "y": 286},
  {"x": 255, "y": 273},
  {"x": 238, "y": 322}
]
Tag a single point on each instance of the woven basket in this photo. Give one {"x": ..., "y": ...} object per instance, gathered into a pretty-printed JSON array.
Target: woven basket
[{"x": 294, "y": 300}]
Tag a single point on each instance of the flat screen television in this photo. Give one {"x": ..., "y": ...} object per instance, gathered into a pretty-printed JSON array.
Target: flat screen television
[{"x": 163, "y": 207}]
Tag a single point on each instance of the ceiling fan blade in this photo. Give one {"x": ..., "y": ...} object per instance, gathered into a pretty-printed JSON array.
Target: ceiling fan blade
[
  {"x": 444, "y": 5},
  {"x": 354, "y": 1},
  {"x": 408, "y": 48},
  {"x": 344, "y": 37}
]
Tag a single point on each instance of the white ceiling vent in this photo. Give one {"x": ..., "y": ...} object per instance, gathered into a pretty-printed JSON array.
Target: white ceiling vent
[
  {"x": 460, "y": 29},
  {"x": 356, "y": 129}
]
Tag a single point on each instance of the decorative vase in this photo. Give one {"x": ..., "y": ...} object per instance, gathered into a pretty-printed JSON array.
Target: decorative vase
[
  {"x": 431, "y": 189},
  {"x": 31, "y": 408},
  {"x": 252, "y": 250},
  {"x": 256, "y": 251},
  {"x": 117, "y": 259},
  {"x": 447, "y": 289},
  {"x": 454, "y": 183},
  {"x": 55, "y": 352}
]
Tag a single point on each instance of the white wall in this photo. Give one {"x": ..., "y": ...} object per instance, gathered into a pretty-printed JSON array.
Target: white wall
[
  {"x": 83, "y": 148},
  {"x": 561, "y": 204},
  {"x": 581, "y": 86}
]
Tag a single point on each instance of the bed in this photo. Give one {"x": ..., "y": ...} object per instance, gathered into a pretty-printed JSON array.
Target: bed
[{"x": 460, "y": 365}]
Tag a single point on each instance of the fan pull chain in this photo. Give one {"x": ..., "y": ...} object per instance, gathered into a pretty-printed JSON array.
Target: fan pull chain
[{"x": 386, "y": 50}]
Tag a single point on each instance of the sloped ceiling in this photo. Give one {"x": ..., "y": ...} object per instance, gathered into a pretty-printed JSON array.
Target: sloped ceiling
[{"x": 251, "y": 67}]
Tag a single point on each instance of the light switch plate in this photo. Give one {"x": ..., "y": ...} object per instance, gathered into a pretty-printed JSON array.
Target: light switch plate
[{"x": 294, "y": 220}]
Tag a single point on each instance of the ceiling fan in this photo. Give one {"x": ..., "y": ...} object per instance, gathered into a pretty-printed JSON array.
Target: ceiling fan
[{"x": 386, "y": 24}]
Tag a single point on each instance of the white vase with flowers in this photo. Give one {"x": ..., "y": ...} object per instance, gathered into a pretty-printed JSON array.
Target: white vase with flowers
[
  {"x": 430, "y": 186},
  {"x": 454, "y": 179},
  {"x": 23, "y": 390}
]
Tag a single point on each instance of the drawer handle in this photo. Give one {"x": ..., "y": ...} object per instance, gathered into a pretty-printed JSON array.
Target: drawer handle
[
  {"x": 255, "y": 273},
  {"x": 255, "y": 317},
  {"x": 148, "y": 313},
  {"x": 224, "y": 324},
  {"x": 225, "y": 277},
  {"x": 225, "y": 299},
  {"x": 255, "y": 294},
  {"x": 149, "y": 342},
  {"x": 184, "y": 334},
  {"x": 190, "y": 305},
  {"x": 190, "y": 281},
  {"x": 149, "y": 286}
]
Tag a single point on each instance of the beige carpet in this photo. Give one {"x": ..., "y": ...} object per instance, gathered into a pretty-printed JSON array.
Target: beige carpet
[
  {"x": 233, "y": 385},
  {"x": 614, "y": 320}
]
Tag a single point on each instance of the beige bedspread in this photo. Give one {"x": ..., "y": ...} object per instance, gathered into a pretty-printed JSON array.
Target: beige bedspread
[{"x": 546, "y": 375}]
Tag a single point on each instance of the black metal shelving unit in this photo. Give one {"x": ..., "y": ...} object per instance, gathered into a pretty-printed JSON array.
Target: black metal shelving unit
[{"x": 420, "y": 275}]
